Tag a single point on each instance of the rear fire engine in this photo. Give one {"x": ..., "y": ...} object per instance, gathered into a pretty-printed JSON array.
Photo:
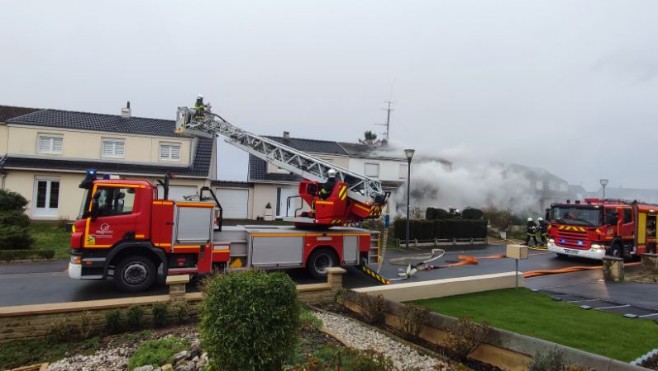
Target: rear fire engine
[
  {"x": 595, "y": 228},
  {"x": 127, "y": 231}
]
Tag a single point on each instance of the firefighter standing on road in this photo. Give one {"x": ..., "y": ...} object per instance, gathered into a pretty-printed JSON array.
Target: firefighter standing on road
[
  {"x": 543, "y": 230},
  {"x": 531, "y": 231}
]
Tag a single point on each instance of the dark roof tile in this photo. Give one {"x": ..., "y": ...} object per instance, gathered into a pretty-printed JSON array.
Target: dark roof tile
[
  {"x": 9, "y": 112},
  {"x": 97, "y": 122}
]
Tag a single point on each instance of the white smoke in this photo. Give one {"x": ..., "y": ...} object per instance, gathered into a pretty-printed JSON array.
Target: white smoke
[{"x": 434, "y": 184}]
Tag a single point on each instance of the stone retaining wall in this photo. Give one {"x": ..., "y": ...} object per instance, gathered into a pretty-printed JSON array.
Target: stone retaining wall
[
  {"x": 504, "y": 349},
  {"x": 34, "y": 321}
]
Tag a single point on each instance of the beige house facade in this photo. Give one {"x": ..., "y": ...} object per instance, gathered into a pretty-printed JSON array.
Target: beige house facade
[{"x": 44, "y": 154}]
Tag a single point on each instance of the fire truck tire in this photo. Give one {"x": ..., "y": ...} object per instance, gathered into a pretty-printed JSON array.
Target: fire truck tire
[
  {"x": 319, "y": 261},
  {"x": 134, "y": 274}
]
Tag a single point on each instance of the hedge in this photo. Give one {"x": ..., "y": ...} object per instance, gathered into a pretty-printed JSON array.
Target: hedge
[
  {"x": 7, "y": 255},
  {"x": 424, "y": 230}
]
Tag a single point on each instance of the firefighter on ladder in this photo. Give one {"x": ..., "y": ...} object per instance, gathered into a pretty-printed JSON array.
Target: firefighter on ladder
[
  {"x": 328, "y": 186},
  {"x": 199, "y": 108}
]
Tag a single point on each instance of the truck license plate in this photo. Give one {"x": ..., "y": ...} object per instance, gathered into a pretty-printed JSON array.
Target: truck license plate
[{"x": 570, "y": 251}]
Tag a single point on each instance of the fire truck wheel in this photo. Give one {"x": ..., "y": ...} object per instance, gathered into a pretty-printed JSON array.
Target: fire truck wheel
[
  {"x": 135, "y": 274},
  {"x": 319, "y": 261}
]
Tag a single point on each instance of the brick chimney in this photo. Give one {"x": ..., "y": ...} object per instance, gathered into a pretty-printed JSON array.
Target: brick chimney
[
  {"x": 286, "y": 134},
  {"x": 125, "y": 111}
]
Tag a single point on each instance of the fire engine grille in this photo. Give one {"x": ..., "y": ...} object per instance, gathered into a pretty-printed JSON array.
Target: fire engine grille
[{"x": 573, "y": 240}]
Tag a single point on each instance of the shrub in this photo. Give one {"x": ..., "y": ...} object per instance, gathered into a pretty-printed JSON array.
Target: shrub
[
  {"x": 412, "y": 319},
  {"x": 14, "y": 232},
  {"x": 249, "y": 320},
  {"x": 12, "y": 201},
  {"x": 465, "y": 336},
  {"x": 64, "y": 330},
  {"x": 113, "y": 322},
  {"x": 134, "y": 317},
  {"x": 182, "y": 312},
  {"x": 373, "y": 308},
  {"x": 553, "y": 360},
  {"x": 157, "y": 352},
  {"x": 335, "y": 358},
  {"x": 160, "y": 314}
]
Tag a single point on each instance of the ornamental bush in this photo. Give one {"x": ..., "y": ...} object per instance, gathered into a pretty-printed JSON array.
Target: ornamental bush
[
  {"x": 14, "y": 232},
  {"x": 249, "y": 320}
]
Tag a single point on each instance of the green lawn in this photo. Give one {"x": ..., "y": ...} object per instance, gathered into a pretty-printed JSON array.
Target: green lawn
[
  {"x": 51, "y": 236},
  {"x": 537, "y": 315}
]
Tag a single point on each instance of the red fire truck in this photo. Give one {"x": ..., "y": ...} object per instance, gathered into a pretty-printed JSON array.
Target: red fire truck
[
  {"x": 595, "y": 228},
  {"x": 128, "y": 231}
]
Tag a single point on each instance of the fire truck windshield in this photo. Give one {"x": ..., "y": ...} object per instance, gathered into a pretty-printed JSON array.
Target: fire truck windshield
[{"x": 573, "y": 215}]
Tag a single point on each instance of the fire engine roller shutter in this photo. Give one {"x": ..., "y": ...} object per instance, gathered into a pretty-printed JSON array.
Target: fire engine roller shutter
[
  {"x": 234, "y": 202},
  {"x": 350, "y": 249}
]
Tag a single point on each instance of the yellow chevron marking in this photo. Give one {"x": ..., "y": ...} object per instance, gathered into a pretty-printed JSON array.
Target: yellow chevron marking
[{"x": 381, "y": 279}]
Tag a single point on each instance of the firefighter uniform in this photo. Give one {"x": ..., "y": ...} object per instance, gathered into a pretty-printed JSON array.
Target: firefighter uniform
[
  {"x": 543, "y": 231},
  {"x": 531, "y": 231}
]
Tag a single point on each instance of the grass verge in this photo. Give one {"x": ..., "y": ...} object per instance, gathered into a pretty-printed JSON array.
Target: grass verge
[
  {"x": 537, "y": 315},
  {"x": 28, "y": 352},
  {"x": 51, "y": 236}
]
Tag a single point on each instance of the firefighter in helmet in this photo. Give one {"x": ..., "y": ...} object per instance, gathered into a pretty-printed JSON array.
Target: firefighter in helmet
[
  {"x": 543, "y": 230},
  {"x": 327, "y": 187},
  {"x": 531, "y": 231},
  {"x": 199, "y": 108}
]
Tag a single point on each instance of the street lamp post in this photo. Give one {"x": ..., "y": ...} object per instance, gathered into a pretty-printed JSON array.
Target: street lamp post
[
  {"x": 604, "y": 182},
  {"x": 409, "y": 153}
]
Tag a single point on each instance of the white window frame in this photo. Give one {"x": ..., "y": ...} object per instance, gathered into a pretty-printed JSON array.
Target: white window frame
[
  {"x": 51, "y": 142},
  {"x": 45, "y": 211},
  {"x": 371, "y": 169},
  {"x": 115, "y": 145},
  {"x": 168, "y": 155}
]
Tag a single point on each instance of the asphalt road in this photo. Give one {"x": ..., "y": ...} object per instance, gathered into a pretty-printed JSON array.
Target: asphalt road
[{"x": 38, "y": 283}]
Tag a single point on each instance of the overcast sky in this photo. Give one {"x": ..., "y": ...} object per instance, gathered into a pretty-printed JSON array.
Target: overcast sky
[{"x": 569, "y": 86}]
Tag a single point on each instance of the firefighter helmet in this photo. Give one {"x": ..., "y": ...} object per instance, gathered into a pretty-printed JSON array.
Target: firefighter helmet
[
  {"x": 540, "y": 219},
  {"x": 331, "y": 173},
  {"x": 529, "y": 219}
]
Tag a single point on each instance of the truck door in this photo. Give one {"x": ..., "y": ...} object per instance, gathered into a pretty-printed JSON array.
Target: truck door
[{"x": 114, "y": 217}]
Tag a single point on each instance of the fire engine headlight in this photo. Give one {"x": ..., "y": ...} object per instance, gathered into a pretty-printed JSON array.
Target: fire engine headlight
[
  {"x": 76, "y": 259},
  {"x": 596, "y": 246},
  {"x": 550, "y": 240}
]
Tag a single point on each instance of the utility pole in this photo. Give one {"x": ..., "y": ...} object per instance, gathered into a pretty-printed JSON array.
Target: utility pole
[{"x": 388, "y": 119}]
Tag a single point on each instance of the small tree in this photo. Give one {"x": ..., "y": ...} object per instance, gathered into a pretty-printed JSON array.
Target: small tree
[
  {"x": 14, "y": 224},
  {"x": 250, "y": 320}
]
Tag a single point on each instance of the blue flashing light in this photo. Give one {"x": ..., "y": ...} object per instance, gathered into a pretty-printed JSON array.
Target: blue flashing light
[
  {"x": 91, "y": 172},
  {"x": 106, "y": 176},
  {"x": 562, "y": 240},
  {"x": 580, "y": 243}
]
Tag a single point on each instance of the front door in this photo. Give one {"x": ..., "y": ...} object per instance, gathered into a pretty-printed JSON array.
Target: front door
[{"x": 45, "y": 201}]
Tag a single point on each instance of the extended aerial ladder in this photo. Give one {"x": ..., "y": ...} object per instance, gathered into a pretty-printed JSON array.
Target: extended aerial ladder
[{"x": 355, "y": 197}]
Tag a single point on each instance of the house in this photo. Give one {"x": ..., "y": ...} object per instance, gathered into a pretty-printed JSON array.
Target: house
[
  {"x": 44, "y": 154},
  {"x": 278, "y": 187}
]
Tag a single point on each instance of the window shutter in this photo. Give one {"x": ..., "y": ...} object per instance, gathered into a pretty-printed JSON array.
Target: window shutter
[{"x": 175, "y": 152}]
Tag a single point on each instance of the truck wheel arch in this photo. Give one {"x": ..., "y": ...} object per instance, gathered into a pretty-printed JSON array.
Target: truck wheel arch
[{"x": 146, "y": 249}]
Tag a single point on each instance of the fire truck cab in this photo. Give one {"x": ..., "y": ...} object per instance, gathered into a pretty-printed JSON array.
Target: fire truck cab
[{"x": 596, "y": 228}]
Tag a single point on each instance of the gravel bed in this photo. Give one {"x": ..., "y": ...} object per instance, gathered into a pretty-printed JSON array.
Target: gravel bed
[
  {"x": 349, "y": 331},
  {"x": 355, "y": 335}
]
